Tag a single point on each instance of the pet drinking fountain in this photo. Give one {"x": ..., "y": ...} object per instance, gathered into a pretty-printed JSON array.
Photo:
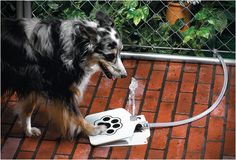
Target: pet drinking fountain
[{"x": 126, "y": 129}]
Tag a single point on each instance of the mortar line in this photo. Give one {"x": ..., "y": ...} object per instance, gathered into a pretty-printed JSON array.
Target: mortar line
[
  {"x": 227, "y": 97},
  {"x": 24, "y": 136},
  {"x": 88, "y": 110},
  {"x": 208, "y": 116},
  {"x": 191, "y": 110},
  {"x": 144, "y": 95},
  {"x": 157, "y": 108},
  {"x": 174, "y": 110},
  {"x": 133, "y": 74},
  {"x": 106, "y": 107}
]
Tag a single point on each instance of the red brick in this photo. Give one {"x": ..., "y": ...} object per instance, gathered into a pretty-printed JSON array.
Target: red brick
[
  {"x": 104, "y": 88},
  {"x": 174, "y": 71},
  {"x": 119, "y": 152},
  {"x": 231, "y": 118},
  {"x": 229, "y": 146},
  {"x": 100, "y": 152},
  {"x": 205, "y": 74},
  {"x": 232, "y": 76},
  {"x": 143, "y": 69},
  {"x": 149, "y": 116},
  {"x": 190, "y": 67},
  {"x": 29, "y": 144},
  {"x": 193, "y": 155},
  {"x": 199, "y": 108},
  {"x": 213, "y": 150},
  {"x": 169, "y": 92},
  {"x": 98, "y": 105},
  {"x": 218, "y": 84},
  {"x": 24, "y": 155},
  {"x": 188, "y": 82},
  {"x": 83, "y": 111},
  {"x": 61, "y": 156},
  {"x": 94, "y": 79},
  {"x": 165, "y": 112},
  {"x": 184, "y": 103},
  {"x": 155, "y": 154},
  {"x": 219, "y": 70},
  {"x": 159, "y": 65},
  {"x": 138, "y": 152},
  {"x": 4, "y": 129},
  {"x": 8, "y": 115},
  {"x": 125, "y": 82},
  {"x": 150, "y": 102},
  {"x": 129, "y": 63},
  {"x": 9, "y": 149},
  {"x": 83, "y": 139},
  {"x": 215, "y": 128},
  {"x": 180, "y": 131},
  {"x": 220, "y": 109},
  {"x": 52, "y": 133},
  {"x": 176, "y": 148},
  {"x": 159, "y": 138},
  {"x": 140, "y": 89},
  {"x": 65, "y": 147},
  {"x": 202, "y": 95},
  {"x": 118, "y": 98},
  {"x": 189, "y": 77},
  {"x": 231, "y": 96},
  {"x": 87, "y": 96},
  {"x": 156, "y": 80},
  {"x": 196, "y": 139},
  {"x": 17, "y": 130},
  {"x": 46, "y": 150},
  {"x": 82, "y": 151}
]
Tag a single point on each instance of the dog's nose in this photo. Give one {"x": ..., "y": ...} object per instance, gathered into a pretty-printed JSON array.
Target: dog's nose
[{"x": 123, "y": 76}]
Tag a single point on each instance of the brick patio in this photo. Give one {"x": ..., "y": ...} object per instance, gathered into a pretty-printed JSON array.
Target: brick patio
[{"x": 167, "y": 91}]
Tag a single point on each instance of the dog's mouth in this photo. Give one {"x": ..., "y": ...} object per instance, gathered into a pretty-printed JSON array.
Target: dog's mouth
[{"x": 106, "y": 71}]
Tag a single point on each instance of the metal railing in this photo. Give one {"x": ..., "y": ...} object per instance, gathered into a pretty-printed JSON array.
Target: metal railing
[{"x": 145, "y": 26}]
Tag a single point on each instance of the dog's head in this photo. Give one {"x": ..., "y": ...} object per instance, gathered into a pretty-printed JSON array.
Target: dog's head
[{"x": 106, "y": 46}]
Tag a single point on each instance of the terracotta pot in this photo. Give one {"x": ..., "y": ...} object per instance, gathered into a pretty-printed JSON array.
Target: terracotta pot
[{"x": 176, "y": 11}]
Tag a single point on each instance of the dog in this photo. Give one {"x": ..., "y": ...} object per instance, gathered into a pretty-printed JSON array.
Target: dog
[{"x": 51, "y": 61}]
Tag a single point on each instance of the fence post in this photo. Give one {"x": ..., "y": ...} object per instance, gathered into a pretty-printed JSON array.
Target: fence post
[
  {"x": 27, "y": 9},
  {"x": 19, "y": 9}
]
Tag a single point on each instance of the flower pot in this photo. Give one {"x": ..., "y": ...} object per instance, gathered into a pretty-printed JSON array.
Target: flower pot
[{"x": 176, "y": 11}]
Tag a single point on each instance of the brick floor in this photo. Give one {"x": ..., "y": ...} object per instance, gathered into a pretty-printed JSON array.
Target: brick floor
[{"x": 167, "y": 91}]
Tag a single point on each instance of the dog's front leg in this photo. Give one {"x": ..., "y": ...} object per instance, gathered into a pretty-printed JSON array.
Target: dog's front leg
[
  {"x": 88, "y": 128},
  {"x": 25, "y": 107}
]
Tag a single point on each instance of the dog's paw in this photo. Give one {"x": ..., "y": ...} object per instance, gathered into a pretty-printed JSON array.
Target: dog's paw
[
  {"x": 33, "y": 132},
  {"x": 98, "y": 130}
]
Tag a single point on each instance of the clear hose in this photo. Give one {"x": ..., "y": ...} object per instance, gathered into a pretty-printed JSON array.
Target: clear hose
[{"x": 214, "y": 105}]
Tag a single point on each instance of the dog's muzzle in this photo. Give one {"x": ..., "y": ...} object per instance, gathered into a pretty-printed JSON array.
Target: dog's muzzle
[{"x": 113, "y": 71}]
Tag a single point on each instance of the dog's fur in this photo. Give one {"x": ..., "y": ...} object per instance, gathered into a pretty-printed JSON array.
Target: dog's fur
[{"x": 52, "y": 60}]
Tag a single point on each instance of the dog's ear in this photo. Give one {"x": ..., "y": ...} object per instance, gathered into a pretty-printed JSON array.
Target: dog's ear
[
  {"x": 87, "y": 32},
  {"x": 104, "y": 20}
]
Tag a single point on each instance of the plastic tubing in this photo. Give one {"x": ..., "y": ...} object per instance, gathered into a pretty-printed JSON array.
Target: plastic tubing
[{"x": 214, "y": 105}]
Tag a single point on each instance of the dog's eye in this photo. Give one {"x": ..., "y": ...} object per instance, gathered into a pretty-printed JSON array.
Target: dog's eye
[
  {"x": 110, "y": 57},
  {"x": 112, "y": 45}
]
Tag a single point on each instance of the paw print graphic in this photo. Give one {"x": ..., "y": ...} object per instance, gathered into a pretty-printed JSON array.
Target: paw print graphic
[{"x": 112, "y": 123}]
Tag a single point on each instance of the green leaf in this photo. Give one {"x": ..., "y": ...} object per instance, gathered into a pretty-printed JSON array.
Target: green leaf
[
  {"x": 53, "y": 5},
  {"x": 130, "y": 3},
  {"x": 202, "y": 15},
  {"x": 189, "y": 34},
  {"x": 221, "y": 21},
  {"x": 204, "y": 32},
  {"x": 137, "y": 20},
  {"x": 145, "y": 11},
  {"x": 130, "y": 16}
]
